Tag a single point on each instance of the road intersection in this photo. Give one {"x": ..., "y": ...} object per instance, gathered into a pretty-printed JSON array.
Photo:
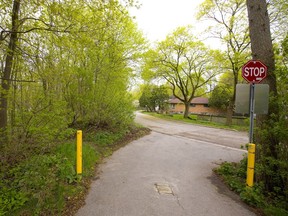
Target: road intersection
[{"x": 168, "y": 173}]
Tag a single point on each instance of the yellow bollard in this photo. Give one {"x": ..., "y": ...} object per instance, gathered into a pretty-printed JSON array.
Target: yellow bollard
[
  {"x": 79, "y": 153},
  {"x": 250, "y": 165}
]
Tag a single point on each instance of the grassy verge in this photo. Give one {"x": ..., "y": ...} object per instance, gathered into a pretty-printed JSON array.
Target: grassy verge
[
  {"x": 193, "y": 120},
  {"x": 234, "y": 175},
  {"x": 45, "y": 183}
]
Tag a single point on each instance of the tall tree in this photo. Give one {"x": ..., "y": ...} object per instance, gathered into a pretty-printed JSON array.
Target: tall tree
[
  {"x": 6, "y": 76},
  {"x": 278, "y": 19},
  {"x": 221, "y": 94},
  {"x": 185, "y": 64},
  {"x": 74, "y": 61},
  {"x": 262, "y": 49},
  {"x": 232, "y": 30},
  {"x": 154, "y": 97}
]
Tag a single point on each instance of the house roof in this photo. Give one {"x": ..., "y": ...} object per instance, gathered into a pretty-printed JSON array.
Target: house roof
[{"x": 197, "y": 100}]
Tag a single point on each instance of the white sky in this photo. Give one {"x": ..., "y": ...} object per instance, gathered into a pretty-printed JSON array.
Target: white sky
[{"x": 157, "y": 18}]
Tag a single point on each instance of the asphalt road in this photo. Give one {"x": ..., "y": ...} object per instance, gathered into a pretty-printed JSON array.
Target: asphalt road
[{"x": 168, "y": 173}]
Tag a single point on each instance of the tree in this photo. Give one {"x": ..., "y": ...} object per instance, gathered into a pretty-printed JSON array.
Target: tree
[
  {"x": 160, "y": 96},
  {"x": 278, "y": 19},
  {"x": 222, "y": 93},
  {"x": 282, "y": 69},
  {"x": 184, "y": 63},
  {"x": 72, "y": 63},
  {"x": 274, "y": 171},
  {"x": 18, "y": 32},
  {"x": 220, "y": 97},
  {"x": 146, "y": 102},
  {"x": 6, "y": 76},
  {"x": 232, "y": 30},
  {"x": 154, "y": 97}
]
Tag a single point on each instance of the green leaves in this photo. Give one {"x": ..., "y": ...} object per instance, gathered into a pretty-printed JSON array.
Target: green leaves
[
  {"x": 220, "y": 97},
  {"x": 154, "y": 97},
  {"x": 11, "y": 200},
  {"x": 184, "y": 63},
  {"x": 41, "y": 183},
  {"x": 74, "y": 62}
]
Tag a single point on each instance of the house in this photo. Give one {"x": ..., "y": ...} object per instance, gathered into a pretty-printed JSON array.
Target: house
[{"x": 198, "y": 105}]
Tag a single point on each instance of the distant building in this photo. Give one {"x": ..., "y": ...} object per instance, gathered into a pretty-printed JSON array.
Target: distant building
[{"x": 198, "y": 105}]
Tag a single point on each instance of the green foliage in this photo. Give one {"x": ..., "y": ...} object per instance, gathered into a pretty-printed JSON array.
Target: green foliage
[
  {"x": 220, "y": 97},
  {"x": 230, "y": 25},
  {"x": 34, "y": 178},
  {"x": 278, "y": 18},
  {"x": 184, "y": 63},
  {"x": 234, "y": 174},
  {"x": 77, "y": 69},
  {"x": 106, "y": 138},
  {"x": 11, "y": 199},
  {"x": 41, "y": 183},
  {"x": 68, "y": 153},
  {"x": 274, "y": 211},
  {"x": 273, "y": 155},
  {"x": 73, "y": 67},
  {"x": 223, "y": 93},
  {"x": 154, "y": 96},
  {"x": 271, "y": 134},
  {"x": 253, "y": 196},
  {"x": 45, "y": 122},
  {"x": 145, "y": 101}
]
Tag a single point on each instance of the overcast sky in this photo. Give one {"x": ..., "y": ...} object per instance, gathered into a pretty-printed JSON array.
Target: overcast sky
[{"x": 157, "y": 18}]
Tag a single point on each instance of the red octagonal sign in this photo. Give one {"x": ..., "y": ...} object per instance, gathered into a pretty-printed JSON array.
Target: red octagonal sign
[{"x": 254, "y": 71}]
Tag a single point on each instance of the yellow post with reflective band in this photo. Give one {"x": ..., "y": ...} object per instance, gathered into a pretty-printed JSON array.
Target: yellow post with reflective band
[
  {"x": 79, "y": 153},
  {"x": 250, "y": 165}
]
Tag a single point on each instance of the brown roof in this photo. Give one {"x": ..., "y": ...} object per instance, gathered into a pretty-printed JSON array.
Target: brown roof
[{"x": 197, "y": 100}]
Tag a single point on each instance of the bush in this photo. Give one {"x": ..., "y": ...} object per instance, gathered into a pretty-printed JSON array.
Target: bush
[{"x": 234, "y": 175}]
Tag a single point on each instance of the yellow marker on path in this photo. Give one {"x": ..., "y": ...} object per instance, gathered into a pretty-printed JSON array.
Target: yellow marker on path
[
  {"x": 250, "y": 165},
  {"x": 79, "y": 153}
]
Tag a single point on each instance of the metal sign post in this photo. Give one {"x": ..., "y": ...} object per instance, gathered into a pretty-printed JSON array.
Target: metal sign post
[
  {"x": 253, "y": 72},
  {"x": 251, "y": 146},
  {"x": 252, "y": 107}
]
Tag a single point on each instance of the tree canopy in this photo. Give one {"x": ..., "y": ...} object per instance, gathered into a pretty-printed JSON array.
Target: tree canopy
[
  {"x": 230, "y": 26},
  {"x": 154, "y": 98},
  {"x": 184, "y": 63},
  {"x": 64, "y": 62}
]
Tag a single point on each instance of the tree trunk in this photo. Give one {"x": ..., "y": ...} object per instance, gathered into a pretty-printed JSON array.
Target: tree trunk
[
  {"x": 6, "y": 78},
  {"x": 230, "y": 108},
  {"x": 260, "y": 36},
  {"x": 261, "y": 45},
  {"x": 186, "y": 112},
  {"x": 229, "y": 113}
]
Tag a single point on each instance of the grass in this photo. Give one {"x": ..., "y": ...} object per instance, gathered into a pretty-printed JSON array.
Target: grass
[
  {"x": 193, "y": 120},
  {"x": 47, "y": 183}
]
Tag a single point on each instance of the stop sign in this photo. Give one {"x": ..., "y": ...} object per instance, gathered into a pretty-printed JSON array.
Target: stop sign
[{"x": 254, "y": 71}]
